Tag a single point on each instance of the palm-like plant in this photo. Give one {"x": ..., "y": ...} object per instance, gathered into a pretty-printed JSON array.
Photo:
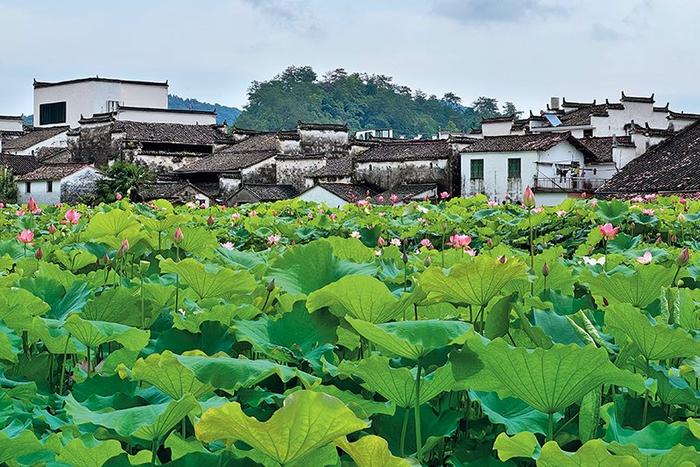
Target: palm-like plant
[{"x": 123, "y": 177}]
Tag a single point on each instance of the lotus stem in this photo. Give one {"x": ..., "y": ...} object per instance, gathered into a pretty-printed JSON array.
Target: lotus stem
[
  {"x": 63, "y": 366},
  {"x": 416, "y": 413},
  {"x": 550, "y": 427},
  {"x": 403, "y": 432}
]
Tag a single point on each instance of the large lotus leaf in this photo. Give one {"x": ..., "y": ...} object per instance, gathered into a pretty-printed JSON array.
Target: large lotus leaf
[
  {"x": 611, "y": 211},
  {"x": 95, "y": 333},
  {"x": 91, "y": 454},
  {"x": 371, "y": 451},
  {"x": 165, "y": 372},
  {"x": 363, "y": 408},
  {"x": 54, "y": 336},
  {"x": 148, "y": 422},
  {"x": 398, "y": 385},
  {"x": 412, "y": 339},
  {"x": 291, "y": 337},
  {"x": 192, "y": 319},
  {"x": 230, "y": 374},
  {"x": 74, "y": 259},
  {"x": 559, "y": 277},
  {"x": 523, "y": 444},
  {"x": 209, "y": 281},
  {"x": 63, "y": 298},
  {"x": 475, "y": 282},
  {"x": 639, "y": 288},
  {"x": 592, "y": 453},
  {"x": 16, "y": 441},
  {"x": 307, "y": 421},
  {"x": 303, "y": 269},
  {"x": 10, "y": 344},
  {"x": 655, "y": 340},
  {"x": 362, "y": 297},
  {"x": 112, "y": 227},
  {"x": 657, "y": 444},
  {"x": 18, "y": 308},
  {"x": 547, "y": 379},
  {"x": 350, "y": 248},
  {"x": 118, "y": 305},
  {"x": 513, "y": 413}
]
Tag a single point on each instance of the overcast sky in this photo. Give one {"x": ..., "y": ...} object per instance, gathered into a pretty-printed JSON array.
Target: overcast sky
[{"x": 519, "y": 50}]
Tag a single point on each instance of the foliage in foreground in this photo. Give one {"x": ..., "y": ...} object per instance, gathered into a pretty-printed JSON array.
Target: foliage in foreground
[{"x": 291, "y": 334}]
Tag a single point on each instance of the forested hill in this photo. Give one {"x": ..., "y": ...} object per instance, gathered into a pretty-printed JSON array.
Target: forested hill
[
  {"x": 360, "y": 100},
  {"x": 223, "y": 113}
]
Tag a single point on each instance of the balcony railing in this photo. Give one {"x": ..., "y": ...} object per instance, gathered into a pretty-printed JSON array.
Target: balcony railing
[{"x": 567, "y": 184}]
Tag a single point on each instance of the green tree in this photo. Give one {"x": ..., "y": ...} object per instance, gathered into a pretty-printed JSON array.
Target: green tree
[
  {"x": 510, "y": 109},
  {"x": 8, "y": 185},
  {"x": 125, "y": 178},
  {"x": 486, "y": 107}
]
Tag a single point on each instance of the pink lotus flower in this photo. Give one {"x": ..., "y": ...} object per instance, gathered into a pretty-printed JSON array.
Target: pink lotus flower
[
  {"x": 650, "y": 197},
  {"x": 682, "y": 200},
  {"x": 2, "y": 205},
  {"x": 253, "y": 213},
  {"x": 381, "y": 241},
  {"x": 178, "y": 236},
  {"x": 26, "y": 236},
  {"x": 39, "y": 253},
  {"x": 380, "y": 199},
  {"x": 227, "y": 246},
  {"x": 123, "y": 248},
  {"x": 52, "y": 229},
  {"x": 31, "y": 205},
  {"x": 594, "y": 202},
  {"x": 332, "y": 216},
  {"x": 470, "y": 252},
  {"x": 529, "y": 197},
  {"x": 235, "y": 216},
  {"x": 118, "y": 196},
  {"x": 460, "y": 241},
  {"x": 393, "y": 198},
  {"x": 426, "y": 243},
  {"x": 637, "y": 199},
  {"x": 355, "y": 234},
  {"x": 561, "y": 213},
  {"x": 645, "y": 258},
  {"x": 608, "y": 231},
  {"x": 72, "y": 216},
  {"x": 273, "y": 239},
  {"x": 444, "y": 195},
  {"x": 538, "y": 210},
  {"x": 492, "y": 203},
  {"x": 362, "y": 203},
  {"x": 648, "y": 212},
  {"x": 19, "y": 212},
  {"x": 396, "y": 242}
]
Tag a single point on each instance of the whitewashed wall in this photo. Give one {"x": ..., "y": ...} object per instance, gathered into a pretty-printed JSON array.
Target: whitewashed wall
[
  {"x": 11, "y": 124},
  {"x": 161, "y": 116},
  {"x": 58, "y": 141},
  {"x": 319, "y": 194}
]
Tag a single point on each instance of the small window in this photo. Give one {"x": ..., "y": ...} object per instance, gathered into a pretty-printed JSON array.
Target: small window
[
  {"x": 112, "y": 106},
  {"x": 513, "y": 168},
  {"x": 52, "y": 113},
  {"x": 27, "y": 187},
  {"x": 476, "y": 170},
  {"x": 588, "y": 133},
  {"x": 49, "y": 186}
]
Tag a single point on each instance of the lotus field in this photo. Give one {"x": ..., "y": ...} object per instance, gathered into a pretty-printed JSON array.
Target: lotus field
[{"x": 461, "y": 333}]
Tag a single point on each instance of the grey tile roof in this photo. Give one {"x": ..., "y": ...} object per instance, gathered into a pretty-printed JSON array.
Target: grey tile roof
[
  {"x": 398, "y": 151},
  {"x": 350, "y": 192},
  {"x": 340, "y": 167},
  {"x": 250, "y": 151},
  {"x": 601, "y": 147},
  {"x": 175, "y": 190},
  {"x": 268, "y": 192},
  {"x": 33, "y": 137},
  {"x": 51, "y": 172},
  {"x": 670, "y": 166},
  {"x": 407, "y": 192},
  {"x": 171, "y": 133},
  {"x": 509, "y": 143},
  {"x": 19, "y": 165}
]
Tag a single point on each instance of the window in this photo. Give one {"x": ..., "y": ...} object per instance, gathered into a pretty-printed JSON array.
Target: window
[
  {"x": 513, "y": 168},
  {"x": 27, "y": 187},
  {"x": 52, "y": 113},
  {"x": 112, "y": 106},
  {"x": 49, "y": 186},
  {"x": 476, "y": 170},
  {"x": 588, "y": 133}
]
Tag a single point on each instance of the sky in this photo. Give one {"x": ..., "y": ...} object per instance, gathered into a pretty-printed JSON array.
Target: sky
[{"x": 522, "y": 51}]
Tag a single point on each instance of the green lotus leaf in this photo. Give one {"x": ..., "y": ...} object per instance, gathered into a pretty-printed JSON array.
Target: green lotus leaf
[
  {"x": 361, "y": 407},
  {"x": 181, "y": 447},
  {"x": 306, "y": 422},
  {"x": 412, "y": 339},
  {"x": 498, "y": 317},
  {"x": 522, "y": 444},
  {"x": 351, "y": 249},
  {"x": 637, "y": 287},
  {"x": 592, "y": 453},
  {"x": 560, "y": 276},
  {"x": 148, "y": 422},
  {"x": 16, "y": 441},
  {"x": 210, "y": 281},
  {"x": 54, "y": 336},
  {"x": 91, "y": 454},
  {"x": 74, "y": 259},
  {"x": 475, "y": 282},
  {"x": 118, "y": 305},
  {"x": 303, "y": 269},
  {"x": 548, "y": 380},
  {"x": 589, "y": 416},
  {"x": 192, "y": 319},
  {"x": 655, "y": 340},
  {"x": 362, "y": 297},
  {"x": 10, "y": 344},
  {"x": 165, "y": 372},
  {"x": 371, "y": 451},
  {"x": 612, "y": 211},
  {"x": 295, "y": 335},
  {"x": 112, "y": 227},
  {"x": 95, "y": 333},
  {"x": 18, "y": 307},
  {"x": 398, "y": 385},
  {"x": 513, "y": 413}
]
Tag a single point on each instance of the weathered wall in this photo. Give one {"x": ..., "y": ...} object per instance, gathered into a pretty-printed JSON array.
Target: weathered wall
[
  {"x": 95, "y": 144},
  {"x": 329, "y": 142},
  {"x": 321, "y": 195},
  {"x": 264, "y": 172},
  {"x": 294, "y": 171},
  {"x": 386, "y": 175},
  {"x": 79, "y": 185}
]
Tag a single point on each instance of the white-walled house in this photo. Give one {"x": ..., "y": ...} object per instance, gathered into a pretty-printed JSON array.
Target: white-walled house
[
  {"x": 156, "y": 115},
  {"x": 32, "y": 140},
  {"x": 556, "y": 165},
  {"x": 336, "y": 195},
  {"x": 57, "y": 183},
  {"x": 11, "y": 123}
]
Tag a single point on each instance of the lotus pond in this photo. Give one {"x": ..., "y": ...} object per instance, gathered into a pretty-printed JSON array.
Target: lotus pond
[{"x": 461, "y": 333}]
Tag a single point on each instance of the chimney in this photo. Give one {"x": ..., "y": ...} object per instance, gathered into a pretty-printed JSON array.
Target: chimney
[{"x": 554, "y": 103}]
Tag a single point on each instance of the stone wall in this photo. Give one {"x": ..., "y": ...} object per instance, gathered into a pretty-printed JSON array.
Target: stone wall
[
  {"x": 328, "y": 142},
  {"x": 294, "y": 171},
  {"x": 386, "y": 175},
  {"x": 80, "y": 185},
  {"x": 95, "y": 145}
]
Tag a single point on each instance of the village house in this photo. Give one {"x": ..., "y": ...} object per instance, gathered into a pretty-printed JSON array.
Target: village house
[
  {"x": 31, "y": 141},
  {"x": 336, "y": 195},
  {"x": 670, "y": 167},
  {"x": 256, "y": 193},
  {"x": 176, "y": 192},
  {"x": 57, "y": 183}
]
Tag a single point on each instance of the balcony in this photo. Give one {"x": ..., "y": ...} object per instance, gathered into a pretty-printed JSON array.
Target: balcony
[{"x": 567, "y": 184}]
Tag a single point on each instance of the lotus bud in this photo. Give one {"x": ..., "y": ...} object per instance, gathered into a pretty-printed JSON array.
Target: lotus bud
[
  {"x": 674, "y": 238},
  {"x": 39, "y": 253},
  {"x": 680, "y": 283},
  {"x": 427, "y": 261},
  {"x": 52, "y": 229},
  {"x": 271, "y": 285},
  {"x": 405, "y": 257},
  {"x": 105, "y": 259},
  {"x": 210, "y": 221},
  {"x": 178, "y": 236},
  {"x": 503, "y": 259},
  {"x": 123, "y": 248},
  {"x": 529, "y": 198},
  {"x": 489, "y": 242},
  {"x": 683, "y": 257},
  {"x": 143, "y": 266},
  {"x": 681, "y": 218},
  {"x": 545, "y": 269}
]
